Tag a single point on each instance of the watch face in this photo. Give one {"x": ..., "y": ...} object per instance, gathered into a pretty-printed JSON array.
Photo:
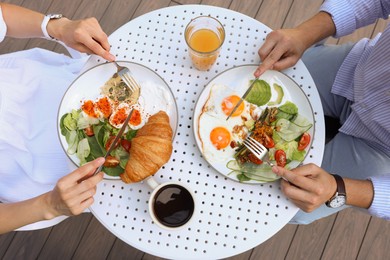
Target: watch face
[{"x": 337, "y": 201}]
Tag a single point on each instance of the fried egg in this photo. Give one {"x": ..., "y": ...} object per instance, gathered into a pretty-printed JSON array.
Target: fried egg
[
  {"x": 216, "y": 137},
  {"x": 219, "y": 136}
]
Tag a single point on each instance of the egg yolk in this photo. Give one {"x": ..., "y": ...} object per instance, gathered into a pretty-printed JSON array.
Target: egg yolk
[
  {"x": 228, "y": 103},
  {"x": 135, "y": 118},
  {"x": 220, "y": 137}
]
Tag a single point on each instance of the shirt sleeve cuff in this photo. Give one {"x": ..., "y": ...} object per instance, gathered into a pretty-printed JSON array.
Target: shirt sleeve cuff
[
  {"x": 380, "y": 205},
  {"x": 3, "y": 27},
  {"x": 342, "y": 15}
]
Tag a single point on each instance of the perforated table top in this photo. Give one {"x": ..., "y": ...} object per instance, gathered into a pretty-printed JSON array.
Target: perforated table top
[{"x": 230, "y": 217}]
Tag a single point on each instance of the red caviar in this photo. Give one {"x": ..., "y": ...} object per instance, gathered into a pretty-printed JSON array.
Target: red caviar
[
  {"x": 135, "y": 118},
  {"x": 120, "y": 116},
  {"x": 89, "y": 108},
  {"x": 104, "y": 106}
]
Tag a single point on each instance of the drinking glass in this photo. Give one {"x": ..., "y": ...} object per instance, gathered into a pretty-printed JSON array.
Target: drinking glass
[{"x": 204, "y": 36}]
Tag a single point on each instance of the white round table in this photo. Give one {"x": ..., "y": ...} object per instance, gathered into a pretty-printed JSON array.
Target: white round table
[{"x": 231, "y": 217}]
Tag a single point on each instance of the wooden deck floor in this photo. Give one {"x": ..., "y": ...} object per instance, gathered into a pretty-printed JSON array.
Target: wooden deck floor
[{"x": 350, "y": 234}]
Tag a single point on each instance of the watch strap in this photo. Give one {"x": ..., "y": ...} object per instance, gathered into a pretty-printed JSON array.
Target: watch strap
[
  {"x": 44, "y": 23},
  {"x": 340, "y": 191},
  {"x": 340, "y": 185}
]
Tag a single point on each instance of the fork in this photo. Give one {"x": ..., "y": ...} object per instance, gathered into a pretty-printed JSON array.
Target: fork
[
  {"x": 257, "y": 149},
  {"x": 125, "y": 74}
]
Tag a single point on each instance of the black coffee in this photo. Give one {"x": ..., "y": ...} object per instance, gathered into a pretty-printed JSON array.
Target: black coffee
[{"x": 173, "y": 205}]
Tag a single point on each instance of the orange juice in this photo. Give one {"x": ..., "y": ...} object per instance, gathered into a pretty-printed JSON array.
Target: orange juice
[
  {"x": 204, "y": 36},
  {"x": 204, "y": 40}
]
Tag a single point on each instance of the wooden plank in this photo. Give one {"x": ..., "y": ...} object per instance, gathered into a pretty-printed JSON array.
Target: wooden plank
[
  {"x": 277, "y": 246},
  {"x": 67, "y": 8},
  {"x": 118, "y": 13},
  {"x": 148, "y": 6},
  {"x": 310, "y": 240},
  {"x": 187, "y": 2},
  {"x": 219, "y": 3},
  {"x": 58, "y": 242},
  {"x": 12, "y": 44},
  {"x": 86, "y": 9},
  {"x": 5, "y": 241},
  {"x": 96, "y": 242},
  {"x": 27, "y": 244},
  {"x": 347, "y": 235},
  {"x": 121, "y": 250},
  {"x": 152, "y": 257},
  {"x": 376, "y": 242},
  {"x": 250, "y": 8},
  {"x": 273, "y": 12},
  {"x": 307, "y": 242},
  {"x": 300, "y": 11},
  {"x": 244, "y": 255}
]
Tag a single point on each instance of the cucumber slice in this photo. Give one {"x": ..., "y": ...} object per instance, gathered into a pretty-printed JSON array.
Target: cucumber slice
[
  {"x": 253, "y": 171},
  {"x": 289, "y": 131}
]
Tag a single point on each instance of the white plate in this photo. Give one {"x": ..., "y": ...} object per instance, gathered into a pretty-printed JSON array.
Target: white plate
[
  {"x": 87, "y": 86},
  {"x": 237, "y": 79}
]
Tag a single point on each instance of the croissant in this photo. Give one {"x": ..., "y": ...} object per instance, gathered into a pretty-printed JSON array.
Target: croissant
[{"x": 150, "y": 149}]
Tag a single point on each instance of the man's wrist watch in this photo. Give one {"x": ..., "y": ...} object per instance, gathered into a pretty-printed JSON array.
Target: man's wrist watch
[
  {"x": 44, "y": 23},
  {"x": 340, "y": 196}
]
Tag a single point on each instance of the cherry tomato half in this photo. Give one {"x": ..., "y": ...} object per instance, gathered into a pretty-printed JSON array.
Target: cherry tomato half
[
  {"x": 89, "y": 131},
  {"x": 109, "y": 142},
  {"x": 126, "y": 144},
  {"x": 280, "y": 157},
  {"x": 304, "y": 141},
  {"x": 268, "y": 141},
  {"x": 254, "y": 159}
]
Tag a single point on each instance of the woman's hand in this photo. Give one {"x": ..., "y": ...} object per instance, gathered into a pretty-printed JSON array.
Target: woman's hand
[
  {"x": 307, "y": 186},
  {"x": 74, "y": 192},
  {"x": 83, "y": 35}
]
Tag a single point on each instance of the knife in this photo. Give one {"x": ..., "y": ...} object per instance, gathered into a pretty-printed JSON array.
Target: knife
[
  {"x": 242, "y": 98},
  {"x": 113, "y": 144}
]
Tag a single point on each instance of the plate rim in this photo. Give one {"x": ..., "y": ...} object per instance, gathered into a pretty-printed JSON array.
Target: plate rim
[
  {"x": 108, "y": 177},
  {"x": 196, "y": 119}
]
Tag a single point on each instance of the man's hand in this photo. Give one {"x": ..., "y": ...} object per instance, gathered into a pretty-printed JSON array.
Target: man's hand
[
  {"x": 281, "y": 49},
  {"x": 307, "y": 186}
]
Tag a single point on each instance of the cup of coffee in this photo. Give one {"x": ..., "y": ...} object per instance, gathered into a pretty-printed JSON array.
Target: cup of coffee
[
  {"x": 204, "y": 36},
  {"x": 171, "y": 204}
]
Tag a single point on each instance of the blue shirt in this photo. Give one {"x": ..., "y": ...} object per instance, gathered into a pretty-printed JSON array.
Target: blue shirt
[{"x": 364, "y": 78}]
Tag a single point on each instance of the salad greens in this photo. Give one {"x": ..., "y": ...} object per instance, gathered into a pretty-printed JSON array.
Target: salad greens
[
  {"x": 88, "y": 147},
  {"x": 287, "y": 127}
]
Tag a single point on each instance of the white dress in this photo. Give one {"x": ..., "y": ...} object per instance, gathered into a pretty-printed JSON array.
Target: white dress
[{"x": 32, "y": 83}]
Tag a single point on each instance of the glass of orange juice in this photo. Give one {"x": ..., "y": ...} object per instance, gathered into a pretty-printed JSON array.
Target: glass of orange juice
[{"x": 204, "y": 36}]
